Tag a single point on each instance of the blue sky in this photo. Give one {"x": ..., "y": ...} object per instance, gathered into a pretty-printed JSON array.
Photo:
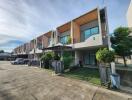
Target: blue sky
[{"x": 23, "y": 20}]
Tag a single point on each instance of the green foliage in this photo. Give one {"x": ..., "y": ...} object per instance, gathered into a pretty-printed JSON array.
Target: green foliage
[
  {"x": 85, "y": 74},
  {"x": 56, "y": 57},
  {"x": 104, "y": 55},
  {"x": 67, "y": 58},
  {"x": 69, "y": 40},
  {"x": 121, "y": 42},
  {"x": 46, "y": 58},
  {"x": 1, "y": 51}
]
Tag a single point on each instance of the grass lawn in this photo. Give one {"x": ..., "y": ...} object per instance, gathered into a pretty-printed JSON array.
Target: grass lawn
[{"x": 86, "y": 74}]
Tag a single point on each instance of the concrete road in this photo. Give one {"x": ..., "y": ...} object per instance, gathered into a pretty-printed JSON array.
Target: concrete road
[{"x": 18, "y": 82}]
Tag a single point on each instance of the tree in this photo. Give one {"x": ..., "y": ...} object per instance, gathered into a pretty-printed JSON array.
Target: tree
[
  {"x": 105, "y": 56},
  {"x": 1, "y": 51},
  {"x": 121, "y": 42}
]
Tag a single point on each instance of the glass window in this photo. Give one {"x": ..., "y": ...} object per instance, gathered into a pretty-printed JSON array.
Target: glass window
[
  {"x": 49, "y": 40},
  {"x": 64, "y": 39},
  {"x": 94, "y": 30},
  {"x": 87, "y": 33},
  {"x": 39, "y": 45}
]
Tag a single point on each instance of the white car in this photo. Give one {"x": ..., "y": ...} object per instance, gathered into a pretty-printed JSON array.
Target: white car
[{"x": 18, "y": 61}]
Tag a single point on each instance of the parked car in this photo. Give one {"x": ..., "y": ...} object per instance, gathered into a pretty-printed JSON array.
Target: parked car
[
  {"x": 26, "y": 61},
  {"x": 18, "y": 61},
  {"x": 33, "y": 62}
]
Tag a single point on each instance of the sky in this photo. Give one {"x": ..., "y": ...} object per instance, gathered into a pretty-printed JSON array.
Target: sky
[{"x": 23, "y": 20}]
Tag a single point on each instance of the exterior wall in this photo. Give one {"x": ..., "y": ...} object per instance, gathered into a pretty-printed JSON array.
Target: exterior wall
[
  {"x": 129, "y": 15},
  {"x": 90, "y": 42},
  {"x": 53, "y": 38}
]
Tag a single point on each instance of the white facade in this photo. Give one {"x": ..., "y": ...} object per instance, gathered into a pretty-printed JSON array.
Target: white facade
[{"x": 129, "y": 15}]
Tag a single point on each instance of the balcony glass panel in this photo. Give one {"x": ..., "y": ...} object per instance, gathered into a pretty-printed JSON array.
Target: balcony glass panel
[
  {"x": 94, "y": 30},
  {"x": 89, "y": 32},
  {"x": 64, "y": 39}
]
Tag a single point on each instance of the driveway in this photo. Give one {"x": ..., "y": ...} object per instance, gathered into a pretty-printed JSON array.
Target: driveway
[{"x": 19, "y": 82}]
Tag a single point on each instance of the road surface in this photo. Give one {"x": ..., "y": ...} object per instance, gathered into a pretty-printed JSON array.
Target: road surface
[{"x": 19, "y": 82}]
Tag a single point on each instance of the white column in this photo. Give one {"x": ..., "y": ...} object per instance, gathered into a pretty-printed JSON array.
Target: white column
[
  {"x": 77, "y": 57},
  {"x": 100, "y": 30}
]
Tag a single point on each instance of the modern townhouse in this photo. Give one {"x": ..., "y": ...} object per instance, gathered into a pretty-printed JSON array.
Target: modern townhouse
[
  {"x": 41, "y": 42},
  {"x": 21, "y": 51},
  {"x": 36, "y": 45},
  {"x": 85, "y": 34}
]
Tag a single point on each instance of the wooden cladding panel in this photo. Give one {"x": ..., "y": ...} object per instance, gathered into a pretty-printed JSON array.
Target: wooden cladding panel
[
  {"x": 39, "y": 39},
  {"x": 64, "y": 27},
  {"x": 76, "y": 32},
  {"x": 93, "y": 15},
  {"x": 48, "y": 34},
  {"x": 45, "y": 41}
]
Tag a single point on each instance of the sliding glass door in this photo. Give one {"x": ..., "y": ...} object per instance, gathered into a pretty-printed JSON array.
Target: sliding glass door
[{"x": 89, "y": 58}]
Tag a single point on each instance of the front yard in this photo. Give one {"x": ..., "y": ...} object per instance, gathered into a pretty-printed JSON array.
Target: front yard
[{"x": 87, "y": 74}]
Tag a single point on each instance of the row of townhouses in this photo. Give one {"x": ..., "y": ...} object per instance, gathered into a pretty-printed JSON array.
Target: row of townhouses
[{"x": 85, "y": 34}]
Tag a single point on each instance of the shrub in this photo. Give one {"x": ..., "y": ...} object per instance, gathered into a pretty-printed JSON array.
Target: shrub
[
  {"x": 67, "y": 58},
  {"x": 69, "y": 40},
  {"x": 105, "y": 56},
  {"x": 46, "y": 58},
  {"x": 56, "y": 57}
]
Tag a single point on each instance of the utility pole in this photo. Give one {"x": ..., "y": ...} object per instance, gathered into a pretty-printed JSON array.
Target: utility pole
[{"x": 113, "y": 70}]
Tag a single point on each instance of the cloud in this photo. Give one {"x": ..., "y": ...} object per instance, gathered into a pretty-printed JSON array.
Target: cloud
[{"x": 23, "y": 20}]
